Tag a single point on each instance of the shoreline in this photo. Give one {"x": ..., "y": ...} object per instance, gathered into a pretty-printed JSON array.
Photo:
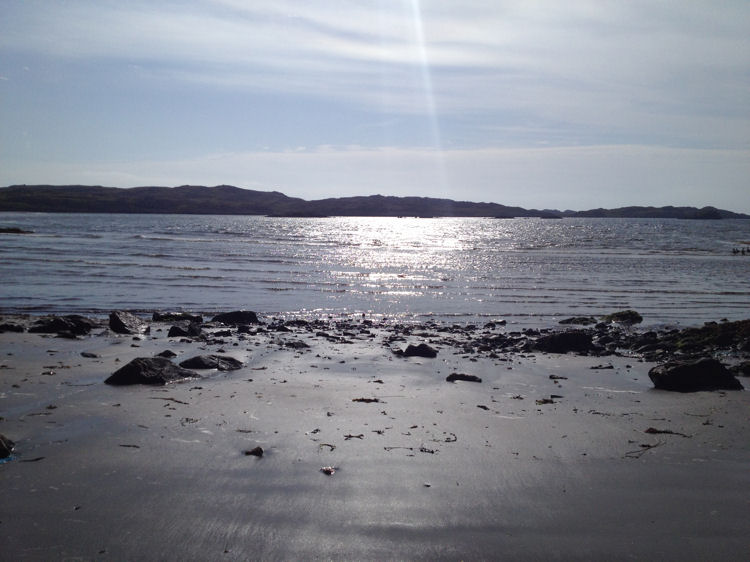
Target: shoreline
[{"x": 549, "y": 457}]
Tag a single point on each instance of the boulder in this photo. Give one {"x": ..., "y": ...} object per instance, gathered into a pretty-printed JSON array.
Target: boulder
[
  {"x": 626, "y": 317},
  {"x": 237, "y": 317},
  {"x": 6, "y": 447},
  {"x": 7, "y": 327},
  {"x": 123, "y": 322},
  {"x": 220, "y": 362},
  {"x": 185, "y": 330},
  {"x": 577, "y": 341},
  {"x": 176, "y": 317},
  {"x": 149, "y": 370},
  {"x": 70, "y": 324},
  {"x": 421, "y": 350},
  {"x": 692, "y": 375}
]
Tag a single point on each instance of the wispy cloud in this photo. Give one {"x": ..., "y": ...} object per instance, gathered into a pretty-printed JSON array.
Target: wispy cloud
[{"x": 678, "y": 68}]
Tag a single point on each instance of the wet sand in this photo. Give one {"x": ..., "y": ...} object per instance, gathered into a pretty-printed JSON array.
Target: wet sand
[{"x": 431, "y": 470}]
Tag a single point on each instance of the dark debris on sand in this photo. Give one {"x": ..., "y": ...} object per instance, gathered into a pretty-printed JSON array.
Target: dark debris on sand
[{"x": 614, "y": 334}]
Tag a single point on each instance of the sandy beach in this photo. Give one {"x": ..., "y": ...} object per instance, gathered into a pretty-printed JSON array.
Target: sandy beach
[{"x": 549, "y": 457}]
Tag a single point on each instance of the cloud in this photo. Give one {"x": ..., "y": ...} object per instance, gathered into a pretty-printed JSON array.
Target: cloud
[
  {"x": 676, "y": 70},
  {"x": 570, "y": 177}
]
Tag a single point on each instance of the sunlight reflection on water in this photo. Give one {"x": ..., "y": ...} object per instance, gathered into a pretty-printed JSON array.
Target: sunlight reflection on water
[{"x": 462, "y": 268}]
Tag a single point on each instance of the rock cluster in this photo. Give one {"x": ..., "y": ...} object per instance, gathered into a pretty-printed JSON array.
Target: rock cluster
[{"x": 615, "y": 335}]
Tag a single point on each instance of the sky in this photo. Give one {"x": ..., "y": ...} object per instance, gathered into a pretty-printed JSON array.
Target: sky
[{"x": 540, "y": 104}]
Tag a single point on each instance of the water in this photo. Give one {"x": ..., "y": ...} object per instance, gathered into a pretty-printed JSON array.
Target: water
[{"x": 529, "y": 271}]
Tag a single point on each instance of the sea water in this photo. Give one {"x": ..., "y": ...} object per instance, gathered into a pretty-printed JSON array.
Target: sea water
[{"x": 527, "y": 271}]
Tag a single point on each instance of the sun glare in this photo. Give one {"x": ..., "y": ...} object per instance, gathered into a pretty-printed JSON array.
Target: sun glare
[{"x": 429, "y": 96}]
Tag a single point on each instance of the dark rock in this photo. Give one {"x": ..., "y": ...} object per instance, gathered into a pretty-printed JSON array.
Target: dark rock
[
  {"x": 577, "y": 341},
  {"x": 626, "y": 317},
  {"x": 65, "y": 334},
  {"x": 742, "y": 369},
  {"x": 15, "y": 230},
  {"x": 89, "y": 355},
  {"x": 255, "y": 452},
  {"x": 6, "y": 447},
  {"x": 580, "y": 320},
  {"x": 693, "y": 375},
  {"x": 72, "y": 324},
  {"x": 149, "y": 370},
  {"x": 167, "y": 353},
  {"x": 421, "y": 350},
  {"x": 711, "y": 336},
  {"x": 220, "y": 362},
  {"x": 453, "y": 377},
  {"x": 296, "y": 344},
  {"x": 177, "y": 317},
  {"x": 237, "y": 317},
  {"x": 185, "y": 330},
  {"x": 10, "y": 328},
  {"x": 122, "y": 322},
  {"x": 244, "y": 329}
]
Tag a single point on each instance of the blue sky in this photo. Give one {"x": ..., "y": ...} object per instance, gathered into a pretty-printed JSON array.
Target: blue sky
[{"x": 533, "y": 103}]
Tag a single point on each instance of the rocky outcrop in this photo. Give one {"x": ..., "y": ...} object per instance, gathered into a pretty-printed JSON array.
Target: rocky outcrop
[
  {"x": 123, "y": 322},
  {"x": 72, "y": 324},
  {"x": 237, "y": 317},
  {"x": 151, "y": 371},
  {"x": 8, "y": 327},
  {"x": 693, "y": 375},
  {"x": 713, "y": 335},
  {"x": 220, "y": 362}
]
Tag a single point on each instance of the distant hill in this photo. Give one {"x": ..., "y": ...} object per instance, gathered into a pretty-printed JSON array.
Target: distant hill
[
  {"x": 659, "y": 213},
  {"x": 230, "y": 200}
]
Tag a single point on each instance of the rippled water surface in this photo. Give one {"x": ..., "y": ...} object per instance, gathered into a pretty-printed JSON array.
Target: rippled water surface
[{"x": 527, "y": 270}]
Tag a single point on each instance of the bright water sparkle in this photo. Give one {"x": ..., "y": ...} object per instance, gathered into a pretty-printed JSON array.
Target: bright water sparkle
[{"x": 530, "y": 271}]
